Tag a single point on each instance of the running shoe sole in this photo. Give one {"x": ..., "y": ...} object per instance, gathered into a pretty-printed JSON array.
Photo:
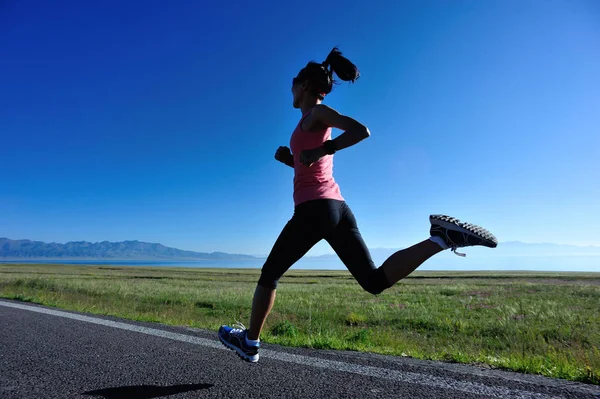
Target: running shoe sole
[
  {"x": 450, "y": 223},
  {"x": 239, "y": 352}
]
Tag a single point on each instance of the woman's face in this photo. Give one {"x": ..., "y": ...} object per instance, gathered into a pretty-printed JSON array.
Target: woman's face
[{"x": 297, "y": 92}]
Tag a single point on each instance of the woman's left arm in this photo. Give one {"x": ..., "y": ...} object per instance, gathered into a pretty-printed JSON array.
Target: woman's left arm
[{"x": 354, "y": 132}]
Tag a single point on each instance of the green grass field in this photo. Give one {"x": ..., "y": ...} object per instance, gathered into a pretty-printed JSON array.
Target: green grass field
[{"x": 543, "y": 323}]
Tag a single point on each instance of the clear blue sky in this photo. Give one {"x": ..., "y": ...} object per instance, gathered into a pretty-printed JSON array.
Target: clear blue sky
[{"x": 158, "y": 121}]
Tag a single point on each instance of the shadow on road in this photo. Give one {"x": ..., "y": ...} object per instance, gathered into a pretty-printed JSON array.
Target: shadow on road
[{"x": 145, "y": 391}]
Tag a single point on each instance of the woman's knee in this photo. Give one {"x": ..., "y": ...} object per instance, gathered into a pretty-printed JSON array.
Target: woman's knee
[
  {"x": 375, "y": 283},
  {"x": 268, "y": 281}
]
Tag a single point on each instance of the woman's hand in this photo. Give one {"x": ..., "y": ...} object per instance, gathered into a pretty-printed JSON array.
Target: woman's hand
[
  {"x": 284, "y": 155},
  {"x": 308, "y": 157}
]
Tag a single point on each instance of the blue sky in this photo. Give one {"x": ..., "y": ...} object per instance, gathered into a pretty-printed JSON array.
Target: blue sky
[{"x": 156, "y": 122}]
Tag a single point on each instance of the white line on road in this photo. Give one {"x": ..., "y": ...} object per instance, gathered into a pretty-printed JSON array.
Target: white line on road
[{"x": 378, "y": 372}]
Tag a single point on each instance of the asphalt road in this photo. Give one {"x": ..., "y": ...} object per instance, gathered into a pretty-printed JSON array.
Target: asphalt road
[{"x": 49, "y": 353}]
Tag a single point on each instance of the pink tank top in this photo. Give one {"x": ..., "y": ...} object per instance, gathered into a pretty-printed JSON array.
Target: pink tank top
[{"x": 316, "y": 182}]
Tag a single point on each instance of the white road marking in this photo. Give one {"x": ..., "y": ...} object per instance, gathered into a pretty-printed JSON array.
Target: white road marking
[{"x": 378, "y": 372}]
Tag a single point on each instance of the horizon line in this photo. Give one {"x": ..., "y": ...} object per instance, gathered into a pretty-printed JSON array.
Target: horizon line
[{"x": 264, "y": 255}]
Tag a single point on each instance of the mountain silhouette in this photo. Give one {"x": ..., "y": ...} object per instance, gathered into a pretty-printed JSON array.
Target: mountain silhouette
[{"x": 24, "y": 249}]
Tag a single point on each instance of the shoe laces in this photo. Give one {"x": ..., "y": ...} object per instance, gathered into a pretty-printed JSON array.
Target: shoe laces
[
  {"x": 458, "y": 253},
  {"x": 237, "y": 328}
]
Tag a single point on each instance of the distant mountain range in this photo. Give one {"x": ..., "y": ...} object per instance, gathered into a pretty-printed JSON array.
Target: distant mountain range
[{"x": 26, "y": 249}]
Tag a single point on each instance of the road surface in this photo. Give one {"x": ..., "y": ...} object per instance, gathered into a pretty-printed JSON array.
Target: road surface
[{"x": 50, "y": 353}]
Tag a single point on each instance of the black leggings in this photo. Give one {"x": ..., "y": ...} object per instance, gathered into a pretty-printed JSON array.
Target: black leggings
[{"x": 313, "y": 221}]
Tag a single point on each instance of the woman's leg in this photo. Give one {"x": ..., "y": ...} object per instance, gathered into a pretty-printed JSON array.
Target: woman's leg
[
  {"x": 296, "y": 238},
  {"x": 446, "y": 232},
  {"x": 349, "y": 245},
  {"x": 308, "y": 226},
  {"x": 262, "y": 303},
  {"x": 402, "y": 263}
]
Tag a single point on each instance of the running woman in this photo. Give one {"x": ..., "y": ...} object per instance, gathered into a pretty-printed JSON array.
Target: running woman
[{"x": 320, "y": 211}]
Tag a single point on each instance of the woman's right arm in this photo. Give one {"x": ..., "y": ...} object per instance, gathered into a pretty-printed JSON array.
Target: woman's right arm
[{"x": 284, "y": 155}]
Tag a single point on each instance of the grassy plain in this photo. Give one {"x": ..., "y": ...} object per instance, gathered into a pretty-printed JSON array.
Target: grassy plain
[{"x": 542, "y": 323}]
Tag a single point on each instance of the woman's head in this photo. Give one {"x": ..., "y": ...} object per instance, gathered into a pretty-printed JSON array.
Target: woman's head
[{"x": 316, "y": 80}]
